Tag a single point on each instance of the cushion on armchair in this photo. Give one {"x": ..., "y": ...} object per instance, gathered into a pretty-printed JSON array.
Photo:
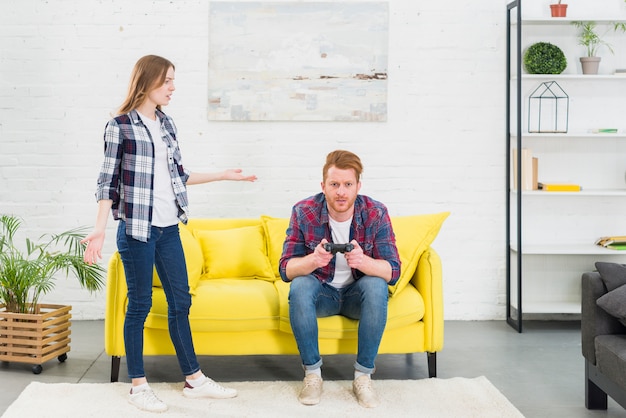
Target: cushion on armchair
[{"x": 614, "y": 277}]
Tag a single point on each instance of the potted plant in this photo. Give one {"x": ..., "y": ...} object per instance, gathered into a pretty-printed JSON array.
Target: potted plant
[
  {"x": 592, "y": 41},
  {"x": 558, "y": 9},
  {"x": 32, "y": 332},
  {"x": 544, "y": 58}
]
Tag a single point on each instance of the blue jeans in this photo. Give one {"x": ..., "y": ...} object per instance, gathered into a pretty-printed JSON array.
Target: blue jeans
[
  {"x": 165, "y": 251},
  {"x": 365, "y": 300}
]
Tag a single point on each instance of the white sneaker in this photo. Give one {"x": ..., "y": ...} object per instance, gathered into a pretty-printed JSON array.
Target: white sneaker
[
  {"x": 147, "y": 401},
  {"x": 209, "y": 389}
]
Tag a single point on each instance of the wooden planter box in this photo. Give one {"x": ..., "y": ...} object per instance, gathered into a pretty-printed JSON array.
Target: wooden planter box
[{"x": 35, "y": 338}]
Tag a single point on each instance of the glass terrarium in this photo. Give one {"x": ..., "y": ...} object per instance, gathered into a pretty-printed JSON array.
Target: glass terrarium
[{"x": 548, "y": 109}]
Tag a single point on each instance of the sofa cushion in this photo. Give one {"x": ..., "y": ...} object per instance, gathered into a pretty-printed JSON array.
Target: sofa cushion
[
  {"x": 413, "y": 235},
  {"x": 612, "y": 274},
  {"x": 237, "y": 253},
  {"x": 213, "y": 308},
  {"x": 275, "y": 233},
  {"x": 614, "y": 303},
  {"x": 193, "y": 259}
]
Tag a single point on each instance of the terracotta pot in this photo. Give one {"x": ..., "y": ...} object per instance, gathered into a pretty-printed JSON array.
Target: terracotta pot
[
  {"x": 590, "y": 65},
  {"x": 558, "y": 10}
]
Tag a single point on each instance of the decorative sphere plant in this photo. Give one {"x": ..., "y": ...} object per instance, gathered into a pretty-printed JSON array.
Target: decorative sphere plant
[{"x": 544, "y": 58}]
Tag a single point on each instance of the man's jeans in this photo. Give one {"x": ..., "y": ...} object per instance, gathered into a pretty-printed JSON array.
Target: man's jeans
[
  {"x": 163, "y": 250},
  {"x": 365, "y": 300}
]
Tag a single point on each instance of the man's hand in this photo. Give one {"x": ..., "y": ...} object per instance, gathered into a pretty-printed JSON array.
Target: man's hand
[
  {"x": 320, "y": 256},
  {"x": 356, "y": 258}
]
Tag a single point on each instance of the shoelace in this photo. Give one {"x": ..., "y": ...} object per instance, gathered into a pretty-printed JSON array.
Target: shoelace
[
  {"x": 150, "y": 397},
  {"x": 312, "y": 382},
  {"x": 215, "y": 385},
  {"x": 363, "y": 384}
]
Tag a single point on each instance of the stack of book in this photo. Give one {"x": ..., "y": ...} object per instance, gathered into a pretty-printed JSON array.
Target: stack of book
[{"x": 617, "y": 242}]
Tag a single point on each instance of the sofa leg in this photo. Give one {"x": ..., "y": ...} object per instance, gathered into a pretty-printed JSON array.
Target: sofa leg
[
  {"x": 115, "y": 368},
  {"x": 595, "y": 398},
  {"x": 432, "y": 364}
]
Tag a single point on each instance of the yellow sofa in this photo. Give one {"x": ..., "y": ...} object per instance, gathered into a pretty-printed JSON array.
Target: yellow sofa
[{"x": 240, "y": 304}]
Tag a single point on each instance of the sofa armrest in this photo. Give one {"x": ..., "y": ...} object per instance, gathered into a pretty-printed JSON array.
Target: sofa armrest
[
  {"x": 594, "y": 320},
  {"x": 428, "y": 280},
  {"x": 115, "y": 307}
]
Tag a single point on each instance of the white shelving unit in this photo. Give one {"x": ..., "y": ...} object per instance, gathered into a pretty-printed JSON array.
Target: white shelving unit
[{"x": 551, "y": 235}]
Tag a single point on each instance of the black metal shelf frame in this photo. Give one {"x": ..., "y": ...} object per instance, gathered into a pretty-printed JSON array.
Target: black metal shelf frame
[{"x": 514, "y": 319}]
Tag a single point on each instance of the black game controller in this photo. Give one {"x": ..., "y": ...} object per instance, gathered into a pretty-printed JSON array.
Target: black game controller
[{"x": 338, "y": 248}]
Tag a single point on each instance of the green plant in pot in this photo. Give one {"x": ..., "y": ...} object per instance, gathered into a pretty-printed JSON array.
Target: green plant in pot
[
  {"x": 592, "y": 41},
  {"x": 29, "y": 273},
  {"x": 544, "y": 58}
]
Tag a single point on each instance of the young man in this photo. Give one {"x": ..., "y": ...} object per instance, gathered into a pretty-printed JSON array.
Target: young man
[{"x": 351, "y": 282}]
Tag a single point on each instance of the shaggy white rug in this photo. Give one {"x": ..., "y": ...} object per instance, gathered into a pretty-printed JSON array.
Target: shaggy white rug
[{"x": 456, "y": 397}]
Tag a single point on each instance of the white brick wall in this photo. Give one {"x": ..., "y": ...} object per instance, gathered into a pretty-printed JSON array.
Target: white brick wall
[{"x": 64, "y": 67}]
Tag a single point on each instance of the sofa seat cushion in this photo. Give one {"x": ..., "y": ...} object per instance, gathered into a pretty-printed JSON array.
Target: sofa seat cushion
[
  {"x": 224, "y": 305},
  {"x": 611, "y": 357},
  {"x": 406, "y": 307}
]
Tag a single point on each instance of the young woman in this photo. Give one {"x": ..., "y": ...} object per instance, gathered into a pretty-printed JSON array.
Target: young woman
[{"x": 143, "y": 183}]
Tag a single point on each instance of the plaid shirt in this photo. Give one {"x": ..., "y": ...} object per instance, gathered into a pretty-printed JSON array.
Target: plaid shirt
[
  {"x": 371, "y": 228},
  {"x": 128, "y": 171}
]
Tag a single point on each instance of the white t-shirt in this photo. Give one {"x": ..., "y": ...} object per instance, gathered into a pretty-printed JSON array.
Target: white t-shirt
[
  {"x": 340, "y": 232},
  {"x": 164, "y": 209}
]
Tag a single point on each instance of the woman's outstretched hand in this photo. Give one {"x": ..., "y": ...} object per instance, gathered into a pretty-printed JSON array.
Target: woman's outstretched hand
[{"x": 236, "y": 174}]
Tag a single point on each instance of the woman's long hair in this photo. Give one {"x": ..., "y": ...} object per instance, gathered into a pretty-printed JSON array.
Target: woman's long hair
[{"x": 149, "y": 73}]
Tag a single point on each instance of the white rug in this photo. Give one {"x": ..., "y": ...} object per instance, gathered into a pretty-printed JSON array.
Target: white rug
[{"x": 456, "y": 397}]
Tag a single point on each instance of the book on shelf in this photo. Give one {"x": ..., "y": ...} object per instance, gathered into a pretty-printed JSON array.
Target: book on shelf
[
  {"x": 604, "y": 131},
  {"x": 529, "y": 169},
  {"x": 559, "y": 187},
  {"x": 616, "y": 242}
]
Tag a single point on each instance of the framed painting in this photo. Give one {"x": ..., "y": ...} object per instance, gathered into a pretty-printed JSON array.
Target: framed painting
[{"x": 298, "y": 61}]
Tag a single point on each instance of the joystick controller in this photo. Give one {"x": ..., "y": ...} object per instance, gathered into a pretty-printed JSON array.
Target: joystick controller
[{"x": 338, "y": 248}]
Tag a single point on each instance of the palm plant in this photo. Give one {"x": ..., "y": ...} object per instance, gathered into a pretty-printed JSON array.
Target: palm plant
[
  {"x": 591, "y": 40},
  {"x": 27, "y": 275}
]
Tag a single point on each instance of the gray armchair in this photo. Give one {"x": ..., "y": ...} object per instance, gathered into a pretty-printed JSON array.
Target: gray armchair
[{"x": 604, "y": 335}]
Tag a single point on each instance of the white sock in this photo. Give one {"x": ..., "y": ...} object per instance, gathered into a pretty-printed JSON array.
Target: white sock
[
  {"x": 317, "y": 371},
  {"x": 139, "y": 388},
  {"x": 197, "y": 381},
  {"x": 358, "y": 374}
]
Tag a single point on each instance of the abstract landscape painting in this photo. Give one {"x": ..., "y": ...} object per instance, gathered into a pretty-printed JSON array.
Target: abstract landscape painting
[{"x": 298, "y": 61}]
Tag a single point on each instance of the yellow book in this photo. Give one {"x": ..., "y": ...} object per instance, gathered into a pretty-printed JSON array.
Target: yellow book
[{"x": 559, "y": 187}]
